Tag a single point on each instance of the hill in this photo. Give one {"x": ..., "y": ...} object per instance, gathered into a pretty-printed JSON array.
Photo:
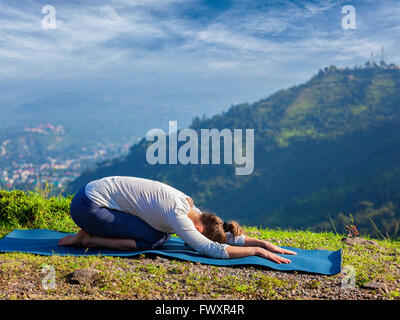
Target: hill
[{"x": 324, "y": 150}]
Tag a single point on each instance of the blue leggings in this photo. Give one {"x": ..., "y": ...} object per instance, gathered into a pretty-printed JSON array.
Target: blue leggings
[{"x": 108, "y": 223}]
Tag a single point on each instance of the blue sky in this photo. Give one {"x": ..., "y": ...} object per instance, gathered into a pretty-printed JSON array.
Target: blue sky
[{"x": 204, "y": 55}]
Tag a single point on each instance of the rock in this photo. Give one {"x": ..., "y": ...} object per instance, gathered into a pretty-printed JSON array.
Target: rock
[
  {"x": 359, "y": 241},
  {"x": 83, "y": 276},
  {"x": 373, "y": 285},
  {"x": 157, "y": 296}
]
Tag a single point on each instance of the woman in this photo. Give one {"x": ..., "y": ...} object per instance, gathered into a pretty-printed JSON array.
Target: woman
[{"x": 129, "y": 213}]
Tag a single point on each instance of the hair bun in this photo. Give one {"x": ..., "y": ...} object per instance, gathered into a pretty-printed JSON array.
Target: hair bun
[{"x": 234, "y": 228}]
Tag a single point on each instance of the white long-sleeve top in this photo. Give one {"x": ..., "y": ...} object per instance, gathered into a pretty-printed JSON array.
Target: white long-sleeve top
[{"x": 160, "y": 205}]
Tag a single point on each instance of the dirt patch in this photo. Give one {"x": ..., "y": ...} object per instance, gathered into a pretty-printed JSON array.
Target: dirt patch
[{"x": 160, "y": 278}]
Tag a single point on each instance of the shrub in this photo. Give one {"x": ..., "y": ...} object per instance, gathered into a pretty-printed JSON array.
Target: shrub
[{"x": 35, "y": 209}]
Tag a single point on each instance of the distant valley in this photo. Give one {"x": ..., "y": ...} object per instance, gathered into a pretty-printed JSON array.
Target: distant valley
[{"x": 47, "y": 153}]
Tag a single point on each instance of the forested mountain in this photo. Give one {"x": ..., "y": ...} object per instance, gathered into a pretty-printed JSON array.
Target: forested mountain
[{"x": 324, "y": 150}]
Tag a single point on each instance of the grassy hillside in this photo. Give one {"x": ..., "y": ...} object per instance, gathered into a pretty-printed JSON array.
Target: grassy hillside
[
  {"x": 322, "y": 150},
  {"x": 150, "y": 277}
]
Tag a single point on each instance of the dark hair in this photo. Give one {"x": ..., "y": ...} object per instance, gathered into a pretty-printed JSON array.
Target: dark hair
[
  {"x": 233, "y": 227},
  {"x": 215, "y": 229}
]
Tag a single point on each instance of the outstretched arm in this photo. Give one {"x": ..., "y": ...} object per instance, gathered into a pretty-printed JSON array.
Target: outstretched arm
[
  {"x": 250, "y": 242},
  {"x": 239, "y": 252}
]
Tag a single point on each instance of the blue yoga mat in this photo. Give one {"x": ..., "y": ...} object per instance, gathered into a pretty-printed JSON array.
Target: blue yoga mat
[{"x": 45, "y": 242}]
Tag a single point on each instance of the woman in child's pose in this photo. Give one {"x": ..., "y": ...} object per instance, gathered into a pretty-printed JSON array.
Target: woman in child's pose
[{"x": 129, "y": 213}]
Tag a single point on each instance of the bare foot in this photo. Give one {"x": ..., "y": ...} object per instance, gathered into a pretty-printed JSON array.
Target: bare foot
[{"x": 81, "y": 239}]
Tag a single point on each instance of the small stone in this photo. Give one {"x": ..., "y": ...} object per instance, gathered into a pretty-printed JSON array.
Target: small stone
[
  {"x": 83, "y": 276},
  {"x": 157, "y": 296},
  {"x": 373, "y": 285},
  {"x": 359, "y": 241}
]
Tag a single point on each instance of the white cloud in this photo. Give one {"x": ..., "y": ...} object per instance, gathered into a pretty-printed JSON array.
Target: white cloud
[{"x": 128, "y": 41}]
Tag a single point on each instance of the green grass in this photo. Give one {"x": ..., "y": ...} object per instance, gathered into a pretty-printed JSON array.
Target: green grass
[
  {"x": 125, "y": 278},
  {"x": 34, "y": 209}
]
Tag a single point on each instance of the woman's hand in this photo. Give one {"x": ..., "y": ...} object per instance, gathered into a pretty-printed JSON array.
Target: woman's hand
[
  {"x": 273, "y": 248},
  {"x": 271, "y": 256},
  {"x": 238, "y": 252},
  {"x": 250, "y": 242}
]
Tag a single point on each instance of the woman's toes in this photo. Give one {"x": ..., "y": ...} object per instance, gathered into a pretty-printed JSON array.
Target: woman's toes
[
  {"x": 66, "y": 240},
  {"x": 81, "y": 239}
]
